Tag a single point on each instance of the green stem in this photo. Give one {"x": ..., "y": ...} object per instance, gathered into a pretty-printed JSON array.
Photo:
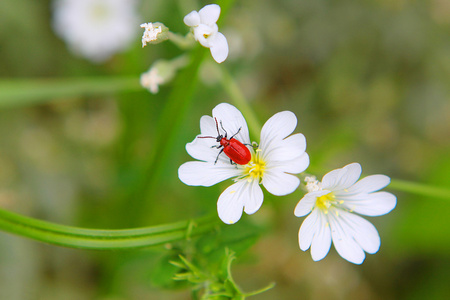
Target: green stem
[
  {"x": 170, "y": 120},
  {"x": 420, "y": 189},
  {"x": 100, "y": 239},
  {"x": 260, "y": 291},
  {"x": 33, "y": 91},
  {"x": 238, "y": 99}
]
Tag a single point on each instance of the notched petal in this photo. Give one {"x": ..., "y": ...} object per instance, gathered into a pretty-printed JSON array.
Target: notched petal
[
  {"x": 278, "y": 127},
  {"x": 343, "y": 178},
  {"x": 231, "y": 202},
  {"x": 232, "y": 120},
  {"x": 279, "y": 183}
]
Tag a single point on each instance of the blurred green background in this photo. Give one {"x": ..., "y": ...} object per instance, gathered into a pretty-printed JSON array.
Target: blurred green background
[{"x": 369, "y": 81}]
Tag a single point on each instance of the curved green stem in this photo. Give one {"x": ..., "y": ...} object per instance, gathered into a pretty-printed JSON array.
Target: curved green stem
[
  {"x": 101, "y": 239},
  {"x": 420, "y": 189}
]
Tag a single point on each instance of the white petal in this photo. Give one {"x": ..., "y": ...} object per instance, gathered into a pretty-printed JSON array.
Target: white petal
[
  {"x": 295, "y": 166},
  {"x": 232, "y": 201},
  {"x": 208, "y": 126},
  {"x": 321, "y": 242},
  {"x": 343, "y": 178},
  {"x": 374, "y": 204},
  {"x": 232, "y": 120},
  {"x": 204, "y": 34},
  {"x": 308, "y": 229},
  {"x": 219, "y": 47},
  {"x": 369, "y": 184},
  {"x": 343, "y": 236},
  {"x": 209, "y": 14},
  {"x": 279, "y": 183},
  {"x": 255, "y": 198},
  {"x": 288, "y": 149},
  {"x": 363, "y": 232},
  {"x": 192, "y": 19},
  {"x": 197, "y": 173},
  {"x": 202, "y": 149},
  {"x": 306, "y": 204},
  {"x": 277, "y": 128}
]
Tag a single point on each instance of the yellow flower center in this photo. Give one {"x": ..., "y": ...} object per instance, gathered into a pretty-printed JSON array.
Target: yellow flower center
[
  {"x": 254, "y": 170},
  {"x": 99, "y": 12},
  {"x": 326, "y": 201}
]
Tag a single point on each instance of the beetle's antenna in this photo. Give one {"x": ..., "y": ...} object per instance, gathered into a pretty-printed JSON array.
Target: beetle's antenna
[
  {"x": 213, "y": 137},
  {"x": 217, "y": 125},
  {"x": 226, "y": 133},
  {"x": 206, "y": 137}
]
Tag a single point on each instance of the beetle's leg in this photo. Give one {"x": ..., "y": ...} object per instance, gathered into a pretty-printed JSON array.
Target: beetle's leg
[
  {"x": 236, "y": 133},
  {"x": 217, "y": 158}
]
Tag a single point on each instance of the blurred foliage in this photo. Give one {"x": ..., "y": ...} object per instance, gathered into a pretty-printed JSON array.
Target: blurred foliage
[{"x": 368, "y": 80}]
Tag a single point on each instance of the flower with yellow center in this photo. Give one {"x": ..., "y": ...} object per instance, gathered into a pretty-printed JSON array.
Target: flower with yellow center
[
  {"x": 331, "y": 204},
  {"x": 278, "y": 156}
]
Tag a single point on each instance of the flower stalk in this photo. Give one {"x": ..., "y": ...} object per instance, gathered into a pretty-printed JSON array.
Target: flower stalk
[{"x": 101, "y": 239}]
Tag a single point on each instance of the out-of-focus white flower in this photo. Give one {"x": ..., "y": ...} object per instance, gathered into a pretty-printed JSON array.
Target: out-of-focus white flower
[
  {"x": 332, "y": 204},
  {"x": 162, "y": 71},
  {"x": 150, "y": 33},
  {"x": 206, "y": 31},
  {"x": 96, "y": 29},
  {"x": 151, "y": 80},
  {"x": 272, "y": 164}
]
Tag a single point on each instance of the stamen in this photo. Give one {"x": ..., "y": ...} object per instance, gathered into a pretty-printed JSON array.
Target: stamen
[{"x": 254, "y": 170}]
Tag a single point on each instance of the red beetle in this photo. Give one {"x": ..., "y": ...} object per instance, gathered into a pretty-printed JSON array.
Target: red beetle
[{"x": 235, "y": 150}]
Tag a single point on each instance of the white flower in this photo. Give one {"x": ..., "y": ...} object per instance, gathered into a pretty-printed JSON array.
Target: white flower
[
  {"x": 206, "y": 32},
  {"x": 332, "y": 203},
  {"x": 150, "y": 33},
  {"x": 271, "y": 165},
  {"x": 151, "y": 80},
  {"x": 96, "y": 29},
  {"x": 161, "y": 72}
]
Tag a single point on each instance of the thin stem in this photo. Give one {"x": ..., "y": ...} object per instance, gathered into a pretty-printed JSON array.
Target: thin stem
[
  {"x": 420, "y": 189},
  {"x": 238, "y": 99},
  {"x": 100, "y": 239},
  {"x": 21, "y": 92},
  {"x": 262, "y": 290}
]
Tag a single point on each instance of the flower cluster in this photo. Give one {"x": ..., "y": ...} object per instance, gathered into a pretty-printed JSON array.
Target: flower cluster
[
  {"x": 223, "y": 150},
  {"x": 331, "y": 203},
  {"x": 204, "y": 30}
]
